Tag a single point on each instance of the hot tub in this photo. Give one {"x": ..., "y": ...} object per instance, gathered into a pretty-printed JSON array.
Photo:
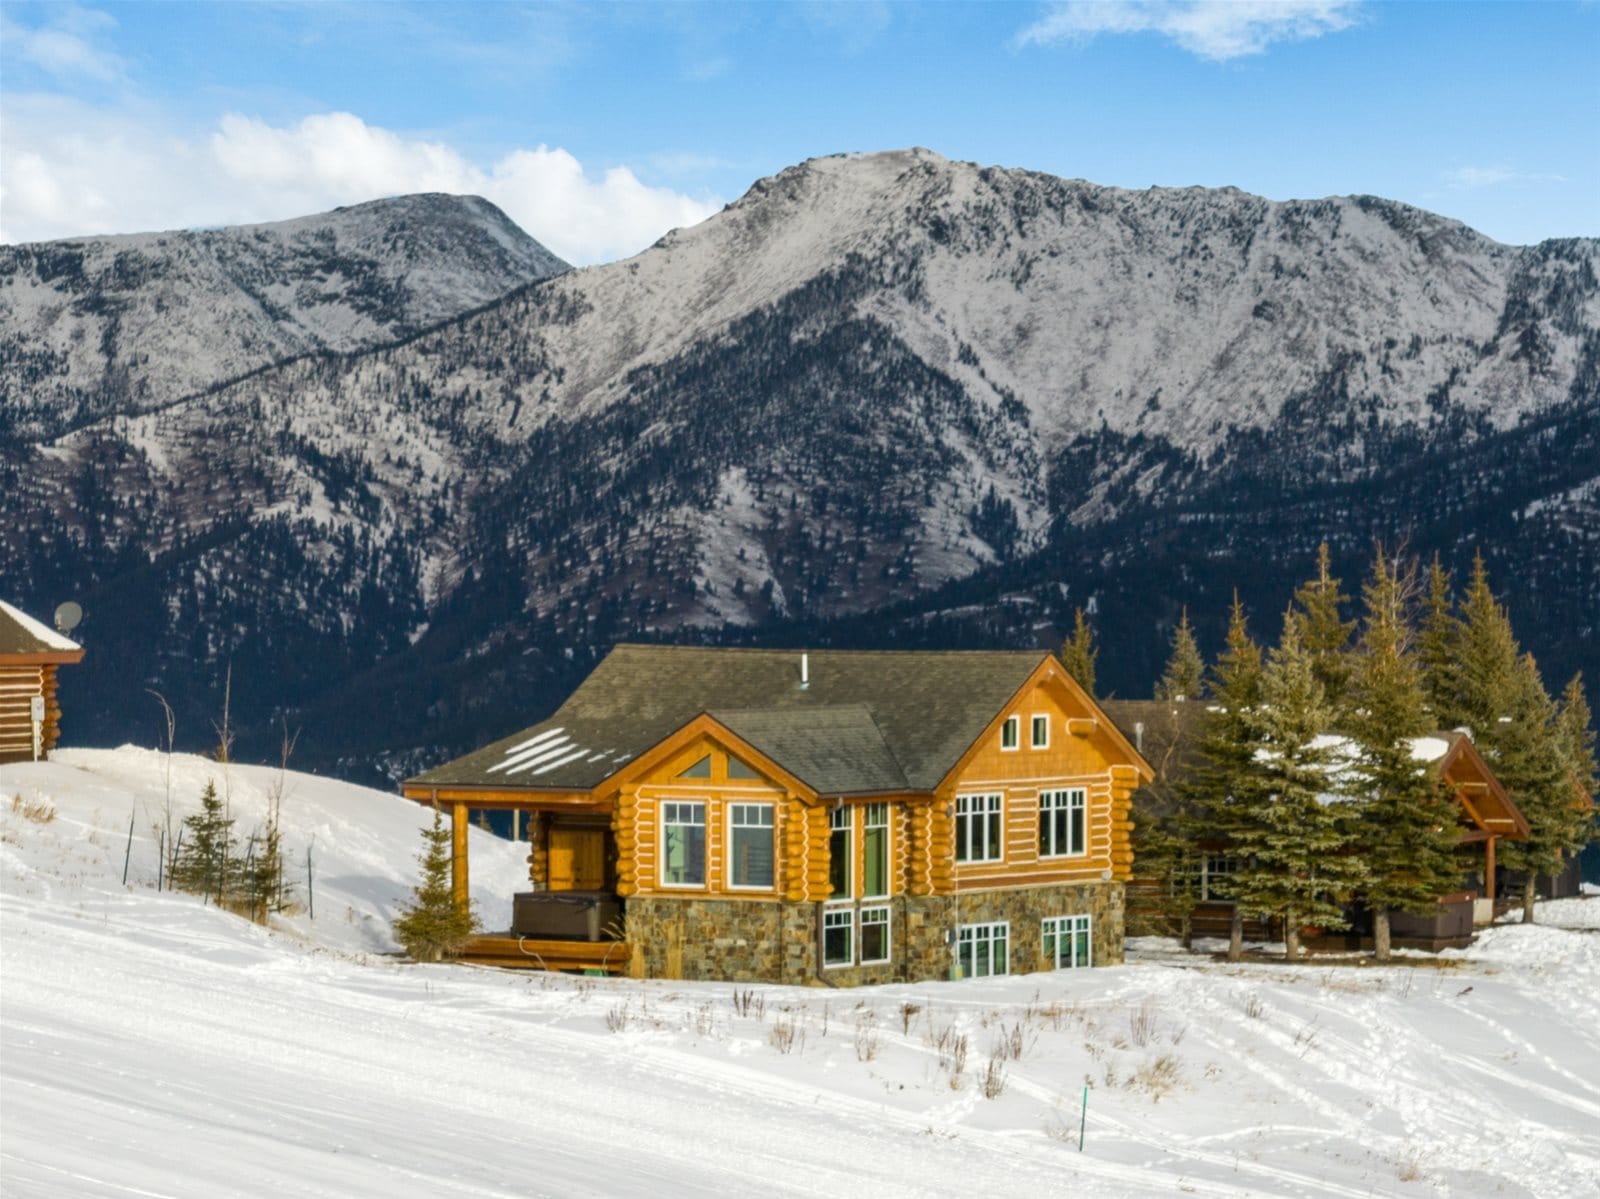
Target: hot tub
[{"x": 573, "y": 915}]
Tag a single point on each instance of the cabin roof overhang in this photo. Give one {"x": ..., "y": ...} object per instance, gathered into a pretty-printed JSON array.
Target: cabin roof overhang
[{"x": 1483, "y": 799}]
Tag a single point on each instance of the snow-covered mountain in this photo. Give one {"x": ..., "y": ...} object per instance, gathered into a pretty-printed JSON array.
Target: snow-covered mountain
[
  {"x": 94, "y": 327},
  {"x": 938, "y": 403}
]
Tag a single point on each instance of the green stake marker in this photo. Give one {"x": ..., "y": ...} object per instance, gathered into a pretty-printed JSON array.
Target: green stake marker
[{"x": 1083, "y": 1116}]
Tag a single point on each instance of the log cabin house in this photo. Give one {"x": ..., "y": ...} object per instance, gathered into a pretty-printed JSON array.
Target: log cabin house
[
  {"x": 1169, "y": 734},
  {"x": 30, "y": 653},
  {"x": 788, "y": 817}
]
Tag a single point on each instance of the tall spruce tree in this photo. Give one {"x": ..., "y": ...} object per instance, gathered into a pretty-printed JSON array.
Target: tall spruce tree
[
  {"x": 1219, "y": 794},
  {"x": 1079, "y": 652},
  {"x": 1439, "y": 650},
  {"x": 434, "y": 925},
  {"x": 1503, "y": 701},
  {"x": 1406, "y": 822},
  {"x": 1295, "y": 836},
  {"x": 1323, "y": 629},
  {"x": 206, "y": 864},
  {"x": 1186, "y": 669},
  {"x": 1533, "y": 764},
  {"x": 1577, "y": 736}
]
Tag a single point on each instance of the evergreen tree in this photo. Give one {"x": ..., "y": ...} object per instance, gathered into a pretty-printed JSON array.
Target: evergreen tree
[
  {"x": 205, "y": 864},
  {"x": 1406, "y": 819},
  {"x": 1487, "y": 669},
  {"x": 1296, "y": 841},
  {"x": 1578, "y": 737},
  {"x": 1323, "y": 629},
  {"x": 1219, "y": 793},
  {"x": 434, "y": 925},
  {"x": 1078, "y": 653},
  {"x": 1532, "y": 761},
  {"x": 1439, "y": 650},
  {"x": 1185, "y": 673},
  {"x": 1166, "y": 853}
]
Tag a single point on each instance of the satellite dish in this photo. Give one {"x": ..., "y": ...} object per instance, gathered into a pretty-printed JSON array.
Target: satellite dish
[{"x": 67, "y": 617}]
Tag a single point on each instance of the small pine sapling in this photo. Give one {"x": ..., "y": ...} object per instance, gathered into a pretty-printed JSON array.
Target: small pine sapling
[
  {"x": 434, "y": 926},
  {"x": 1078, "y": 652},
  {"x": 205, "y": 865}
]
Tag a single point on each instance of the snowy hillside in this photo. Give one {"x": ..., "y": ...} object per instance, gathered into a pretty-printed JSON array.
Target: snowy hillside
[
  {"x": 126, "y": 324},
  {"x": 153, "y": 1045}
]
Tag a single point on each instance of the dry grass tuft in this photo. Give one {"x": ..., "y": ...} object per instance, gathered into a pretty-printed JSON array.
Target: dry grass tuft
[{"x": 36, "y": 811}]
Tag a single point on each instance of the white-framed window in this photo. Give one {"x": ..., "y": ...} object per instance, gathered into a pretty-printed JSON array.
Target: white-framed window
[
  {"x": 875, "y": 935},
  {"x": 874, "y": 851},
  {"x": 1216, "y": 877},
  {"x": 683, "y": 844},
  {"x": 841, "y": 853},
  {"x": 1040, "y": 731},
  {"x": 983, "y": 949},
  {"x": 978, "y": 830},
  {"x": 1068, "y": 941},
  {"x": 838, "y": 937},
  {"x": 1011, "y": 733},
  {"x": 750, "y": 851},
  {"x": 1063, "y": 823}
]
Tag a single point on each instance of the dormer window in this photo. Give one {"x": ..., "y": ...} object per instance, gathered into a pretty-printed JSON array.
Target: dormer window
[
  {"x": 1041, "y": 731},
  {"x": 1011, "y": 733}
]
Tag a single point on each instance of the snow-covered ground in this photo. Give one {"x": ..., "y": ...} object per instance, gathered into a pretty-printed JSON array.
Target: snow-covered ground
[{"x": 151, "y": 1045}]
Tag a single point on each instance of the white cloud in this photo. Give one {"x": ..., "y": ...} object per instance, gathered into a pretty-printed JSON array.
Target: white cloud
[
  {"x": 71, "y": 169},
  {"x": 1469, "y": 178},
  {"x": 64, "y": 46},
  {"x": 1213, "y": 29}
]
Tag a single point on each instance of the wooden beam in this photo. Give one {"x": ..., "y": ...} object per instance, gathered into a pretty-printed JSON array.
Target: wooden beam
[{"x": 459, "y": 883}]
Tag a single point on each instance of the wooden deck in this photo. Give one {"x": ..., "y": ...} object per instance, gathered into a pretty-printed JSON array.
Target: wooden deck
[{"x": 527, "y": 953}]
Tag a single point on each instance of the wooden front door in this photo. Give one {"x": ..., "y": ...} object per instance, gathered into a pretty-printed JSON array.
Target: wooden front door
[{"x": 577, "y": 859}]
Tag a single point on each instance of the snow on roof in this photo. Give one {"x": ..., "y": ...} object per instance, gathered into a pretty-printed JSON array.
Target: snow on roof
[
  {"x": 42, "y": 632},
  {"x": 1429, "y": 749}
]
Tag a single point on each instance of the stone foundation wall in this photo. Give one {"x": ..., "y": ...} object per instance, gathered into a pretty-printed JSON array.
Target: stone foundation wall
[{"x": 741, "y": 940}]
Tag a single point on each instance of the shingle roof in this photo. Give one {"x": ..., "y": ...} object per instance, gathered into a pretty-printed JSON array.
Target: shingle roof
[
  {"x": 22, "y": 634},
  {"x": 865, "y": 721}
]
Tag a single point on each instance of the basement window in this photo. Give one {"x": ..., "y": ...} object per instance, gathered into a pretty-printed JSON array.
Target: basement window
[
  {"x": 1067, "y": 941},
  {"x": 983, "y": 950}
]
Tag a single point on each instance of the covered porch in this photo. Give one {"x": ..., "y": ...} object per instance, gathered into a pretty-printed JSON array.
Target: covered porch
[{"x": 571, "y": 917}]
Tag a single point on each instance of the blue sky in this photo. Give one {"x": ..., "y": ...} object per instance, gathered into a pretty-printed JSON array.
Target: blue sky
[{"x": 600, "y": 126}]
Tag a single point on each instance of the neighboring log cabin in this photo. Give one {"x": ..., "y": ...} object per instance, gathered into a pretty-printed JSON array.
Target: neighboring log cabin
[
  {"x": 785, "y": 816},
  {"x": 1169, "y": 732},
  {"x": 30, "y": 652}
]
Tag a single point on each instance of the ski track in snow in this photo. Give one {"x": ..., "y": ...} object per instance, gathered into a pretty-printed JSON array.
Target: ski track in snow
[{"x": 153, "y": 1046}]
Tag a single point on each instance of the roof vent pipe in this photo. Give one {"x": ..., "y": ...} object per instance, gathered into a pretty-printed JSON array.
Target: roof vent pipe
[
  {"x": 1138, "y": 735},
  {"x": 805, "y": 670}
]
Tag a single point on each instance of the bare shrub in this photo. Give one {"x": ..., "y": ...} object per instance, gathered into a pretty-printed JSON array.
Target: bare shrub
[
  {"x": 1014, "y": 1040},
  {"x": 749, "y": 1002},
  {"x": 908, "y": 1013},
  {"x": 617, "y": 1017},
  {"x": 1410, "y": 1169},
  {"x": 994, "y": 1078},
  {"x": 1177, "y": 1033},
  {"x": 866, "y": 1037},
  {"x": 1158, "y": 1077},
  {"x": 785, "y": 1034},
  {"x": 1142, "y": 1025},
  {"x": 1253, "y": 1006},
  {"x": 35, "y": 811}
]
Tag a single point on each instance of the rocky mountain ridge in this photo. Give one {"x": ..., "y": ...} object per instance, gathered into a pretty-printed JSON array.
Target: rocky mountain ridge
[
  {"x": 883, "y": 398},
  {"x": 109, "y": 326}
]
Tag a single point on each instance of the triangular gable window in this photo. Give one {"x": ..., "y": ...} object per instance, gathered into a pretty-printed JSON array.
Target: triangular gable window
[
  {"x": 700, "y": 770},
  {"x": 738, "y": 770}
]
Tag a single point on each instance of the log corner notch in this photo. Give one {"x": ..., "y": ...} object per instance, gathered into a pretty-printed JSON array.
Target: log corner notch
[{"x": 30, "y": 654}]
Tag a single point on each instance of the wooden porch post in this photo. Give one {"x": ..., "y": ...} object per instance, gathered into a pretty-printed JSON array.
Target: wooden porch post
[
  {"x": 1488, "y": 868},
  {"x": 458, "y": 853}
]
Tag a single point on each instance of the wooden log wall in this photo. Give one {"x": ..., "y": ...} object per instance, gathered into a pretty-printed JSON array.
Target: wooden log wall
[{"x": 18, "y": 686}]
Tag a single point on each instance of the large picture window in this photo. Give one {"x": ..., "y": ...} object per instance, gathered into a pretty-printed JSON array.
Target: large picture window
[
  {"x": 841, "y": 852},
  {"x": 1067, "y": 941},
  {"x": 983, "y": 949},
  {"x": 683, "y": 844},
  {"x": 978, "y": 828},
  {"x": 1063, "y": 823},
  {"x": 875, "y": 851},
  {"x": 750, "y": 854}
]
